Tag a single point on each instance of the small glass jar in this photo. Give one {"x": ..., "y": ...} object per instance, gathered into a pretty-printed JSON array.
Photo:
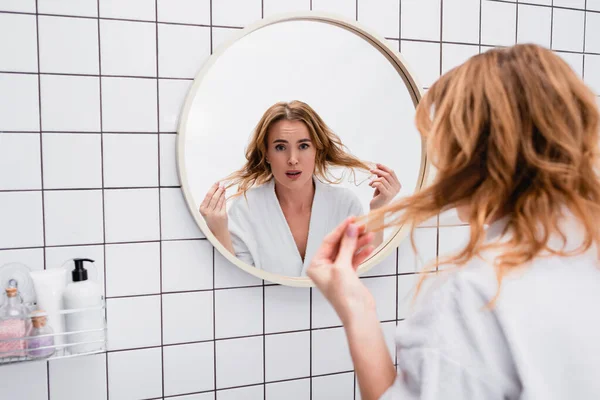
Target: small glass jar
[
  {"x": 13, "y": 324},
  {"x": 41, "y": 340}
]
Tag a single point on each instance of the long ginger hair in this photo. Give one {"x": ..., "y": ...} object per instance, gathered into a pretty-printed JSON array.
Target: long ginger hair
[
  {"x": 511, "y": 132},
  {"x": 330, "y": 152}
]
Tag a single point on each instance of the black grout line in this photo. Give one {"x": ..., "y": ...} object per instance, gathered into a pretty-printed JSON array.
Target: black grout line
[
  {"x": 87, "y": 189},
  {"x": 103, "y": 193},
  {"x": 37, "y": 32},
  {"x": 551, "y": 23},
  {"x": 160, "y": 244},
  {"x": 93, "y": 132},
  {"x": 516, "y": 22},
  {"x": 441, "y": 36},
  {"x": 584, "y": 36},
  {"x": 480, "y": 27}
]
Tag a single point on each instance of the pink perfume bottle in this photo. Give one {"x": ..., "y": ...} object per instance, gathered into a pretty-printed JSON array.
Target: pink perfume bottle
[{"x": 13, "y": 325}]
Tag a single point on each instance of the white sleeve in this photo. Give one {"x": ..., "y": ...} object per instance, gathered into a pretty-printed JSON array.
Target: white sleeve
[
  {"x": 452, "y": 348},
  {"x": 240, "y": 230}
]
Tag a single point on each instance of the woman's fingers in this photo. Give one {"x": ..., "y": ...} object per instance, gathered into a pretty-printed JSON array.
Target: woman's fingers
[
  {"x": 347, "y": 246},
  {"x": 209, "y": 195},
  {"x": 221, "y": 203},
  {"x": 215, "y": 198},
  {"x": 362, "y": 256}
]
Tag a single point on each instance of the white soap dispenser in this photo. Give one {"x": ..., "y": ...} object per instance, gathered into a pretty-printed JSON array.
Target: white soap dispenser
[{"x": 86, "y": 297}]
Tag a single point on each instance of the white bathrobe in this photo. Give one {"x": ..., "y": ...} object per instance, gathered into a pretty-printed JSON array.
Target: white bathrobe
[{"x": 262, "y": 237}]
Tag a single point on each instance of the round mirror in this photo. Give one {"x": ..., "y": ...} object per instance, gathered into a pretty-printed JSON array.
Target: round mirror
[{"x": 296, "y": 124}]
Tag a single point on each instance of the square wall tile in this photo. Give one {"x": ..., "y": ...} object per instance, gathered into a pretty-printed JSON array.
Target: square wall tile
[
  {"x": 238, "y": 312},
  {"x": 256, "y": 392},
  {"x": 62, "y": 257},
  {"x": 145, "y": 383},
  {"x": 384, "y": 293},
  {"x": 20, "y": 54},
  {"x": 386, "y": 267},
  {"x": 129, "y": 105},
  {"x": 461, "y": 21},
  {"x": 176, "y": 220},
  {"x": 426, "y": 243},
  {"x": 239, "y": 362},
  {"x": 187, "y": 265},
  {"x": 286, "y": 308},
  {"x": 498, "y": 23},
  {"x": 593, "y": 5},
  {"x": 575, "y": 61},
  {"x": 73, "y": 217},
  {"x": 20, "y": 161},
  {"x": 79, "y": 378},
  {"x": 453, "y": 239},
  {"x": 454, "y": 55},
  {"x": 11, "y": 380},
  {"x": 420, "y": 19},
  {"x": 342, "y": 8},
  {"x": 175, "y": 60},
  {"x": 229, "y": 275},
  {"x": 187, "y": 317},
  {"x": 567, "y": 30},
  {"x": 580, "y": 4},
  {"x": 131, "y": 215},
  {"x": 72, "y": 161},
  {"x": 168, "y": 160},
  {"x": 70, "y": 103},
  {"x": 424, "y": 59},
  {"x": 289, "y": 390},
  {"x": 381, "y": 16},
  {"x": 27, "y": 6},
  {"x": 389, "y": 333},
  {"x": 333, "y": 387},
  {"x": 184, "y": 11},
  {"x": 275, "y": 7},
  {"x": 189, "y": 368},
  {"x": 19, "y": 102},
  {"x": 287, "y": 356},
  {"x": 330, "y": 351},
  {"x": 133, "y": 322},
  {"x": 236, "y": 12},
  {"x": 120, "y": 150},
  {"x": 323, "y": 314},
  {"x": 68, "y": 45},
  {"x": 199, "y": 396},
  {"x": 128, "y": 48},
  {"x": 592, "y": 32},
  {"x": 83, "y": 8},
  {"x": 535, "y": 25},
  {"x": 143, "y": 10},
  {"x": 592, "y": 72},
  {"x": 132, "y": 269},
  {"x": 33, "y": 258},
  {"x": 220, "y": 37},
  {"x": 171, "y": 96}
]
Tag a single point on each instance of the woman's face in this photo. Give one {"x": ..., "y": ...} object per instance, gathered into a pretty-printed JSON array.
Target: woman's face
[{"x": 291, "y": 153}]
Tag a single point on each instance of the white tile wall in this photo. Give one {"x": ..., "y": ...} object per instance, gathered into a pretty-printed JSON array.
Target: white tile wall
[{"x": 84, "y": 171}]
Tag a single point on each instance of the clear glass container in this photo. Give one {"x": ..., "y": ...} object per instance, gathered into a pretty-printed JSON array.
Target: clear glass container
[
  {"x": 13, "y": 324},
  {"x": 40, "y": 341}
]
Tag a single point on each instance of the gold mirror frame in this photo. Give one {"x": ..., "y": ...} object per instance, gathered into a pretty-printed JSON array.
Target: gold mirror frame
[{"x": 372, "y": 38}]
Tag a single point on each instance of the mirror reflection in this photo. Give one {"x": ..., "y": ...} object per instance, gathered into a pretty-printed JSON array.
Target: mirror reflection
[{"x": 290, "y": 130}]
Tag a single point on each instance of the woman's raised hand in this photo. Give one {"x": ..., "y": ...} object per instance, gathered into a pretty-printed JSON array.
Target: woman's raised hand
[
  {"x": 213, "y": 209},
  {"x": 386, "y": 186}
]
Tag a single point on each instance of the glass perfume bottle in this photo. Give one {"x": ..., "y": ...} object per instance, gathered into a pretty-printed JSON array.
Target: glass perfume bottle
[
  {"x": 41, "y": 340},
  {"x": 13, "y": 323}
]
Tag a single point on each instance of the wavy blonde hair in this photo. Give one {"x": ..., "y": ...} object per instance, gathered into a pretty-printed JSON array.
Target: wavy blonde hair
[
  {"x": 512, "y": 132},
  {"x": 330, "y": 152}
]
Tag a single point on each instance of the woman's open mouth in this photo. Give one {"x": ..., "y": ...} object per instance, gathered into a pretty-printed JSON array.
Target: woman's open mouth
[{"x": 293, "y": 174}]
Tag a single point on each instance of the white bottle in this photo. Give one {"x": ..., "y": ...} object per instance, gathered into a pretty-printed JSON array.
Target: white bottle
[{"x": 84, "y": 294}]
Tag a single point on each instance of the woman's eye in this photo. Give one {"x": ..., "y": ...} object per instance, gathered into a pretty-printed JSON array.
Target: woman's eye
[
  {"x": 280, "y": 147},
  {"x": 304, "y": 146}
]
